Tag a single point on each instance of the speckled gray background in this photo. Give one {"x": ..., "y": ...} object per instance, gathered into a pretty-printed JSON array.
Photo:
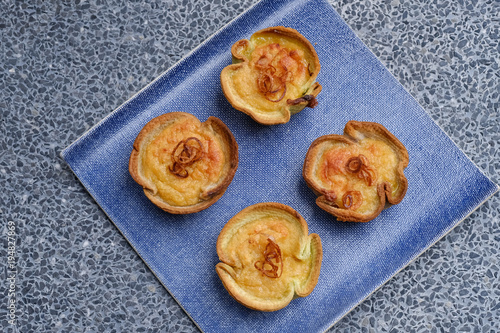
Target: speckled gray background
[{"x": 64, "y": 65}]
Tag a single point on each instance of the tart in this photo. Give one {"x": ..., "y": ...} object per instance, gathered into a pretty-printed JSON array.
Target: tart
[
  {"x": 273, "y": 75},
  {"x": 184, "y": 165},
  {"x": 267, "y": 256},
  {"x": 357, "y": 174}
]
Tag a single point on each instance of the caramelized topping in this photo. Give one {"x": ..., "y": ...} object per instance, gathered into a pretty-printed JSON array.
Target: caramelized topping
[
  {"x": 352, "y": 200},
  {"x": 359, "y": 165},
  {"x": 185, "y": 153},
  {"x": 270, "y": 85},
  {"x": 239, "y": 47},
  {"x": 330, "y": 196},
  {"x": 274, "y": 74},
  {"x": 310, "y": 99},
  {"x": 369, "y": 175},
  {"x": 272, "y": 265},
  {"x": 354, "y": 164}
]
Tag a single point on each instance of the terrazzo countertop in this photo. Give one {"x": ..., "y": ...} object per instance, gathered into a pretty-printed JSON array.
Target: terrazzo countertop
[{"x": 65, "y": 65}]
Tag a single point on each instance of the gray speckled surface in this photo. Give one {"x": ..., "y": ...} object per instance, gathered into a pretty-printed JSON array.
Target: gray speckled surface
[{"x": 65, "y": 65}]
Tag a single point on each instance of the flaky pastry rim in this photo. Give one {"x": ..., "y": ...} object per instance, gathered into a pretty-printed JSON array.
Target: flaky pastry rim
[
  {"x": 154, "y": 127},
  {"x": 240, "y": 61},
  {"x": 225, "y": 265},
  {"x": 383, "y": 189}
]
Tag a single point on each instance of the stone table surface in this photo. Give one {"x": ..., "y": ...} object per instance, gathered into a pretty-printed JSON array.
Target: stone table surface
[{"x": 65, "y": 65}]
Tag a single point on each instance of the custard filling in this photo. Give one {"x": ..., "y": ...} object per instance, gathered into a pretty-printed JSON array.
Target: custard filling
[
  {"x": 350, "y": 173},
  {"x": 183, "y": 183},
  {"x": 248, "y": 248},
  {"x": 279, "y": 70}
]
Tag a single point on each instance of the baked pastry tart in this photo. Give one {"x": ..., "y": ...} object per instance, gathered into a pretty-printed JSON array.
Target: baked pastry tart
[
  {"x": 273, "y": 75},
  {"x": 356, "y": 174},
  {"x": 267, "y": 256},
  {"x": 184, "y": 165}
]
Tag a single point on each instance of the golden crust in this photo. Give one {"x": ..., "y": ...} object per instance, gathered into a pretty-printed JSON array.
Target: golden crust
[
  {"x": 241, "y": 247},
  {"x": 357, "y": 174},
  {"x": 202, "y": 183},
  {"x": 287, "y": 72}
]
